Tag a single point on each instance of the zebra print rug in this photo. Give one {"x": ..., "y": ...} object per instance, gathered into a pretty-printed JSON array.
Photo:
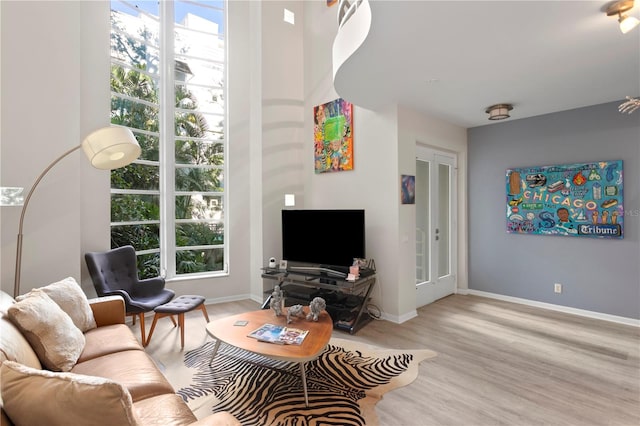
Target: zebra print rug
[{"x": 344, "y": 384}]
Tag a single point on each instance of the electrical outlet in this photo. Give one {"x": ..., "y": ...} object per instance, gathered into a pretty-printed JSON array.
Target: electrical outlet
[{"x": 557, "y": 288}]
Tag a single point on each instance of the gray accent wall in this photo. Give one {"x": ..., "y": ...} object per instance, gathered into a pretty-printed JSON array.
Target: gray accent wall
[{"x": 599, "y": 275}]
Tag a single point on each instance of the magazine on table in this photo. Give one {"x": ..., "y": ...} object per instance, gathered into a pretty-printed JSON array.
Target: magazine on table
[{"x": 279, "y": 334}]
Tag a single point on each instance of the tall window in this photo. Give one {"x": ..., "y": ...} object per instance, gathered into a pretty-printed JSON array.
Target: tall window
[{"x": 168, "y": 68}]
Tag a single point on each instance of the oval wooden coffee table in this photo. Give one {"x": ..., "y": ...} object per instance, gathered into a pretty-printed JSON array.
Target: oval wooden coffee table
[{"x": 225, "y": 330}]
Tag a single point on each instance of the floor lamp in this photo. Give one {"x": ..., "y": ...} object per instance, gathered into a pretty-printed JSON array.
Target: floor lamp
[{"x": 106, "y": 148}]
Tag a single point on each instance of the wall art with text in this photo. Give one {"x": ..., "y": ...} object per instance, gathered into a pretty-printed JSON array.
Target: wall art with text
[{"x": 579, "y": 200}]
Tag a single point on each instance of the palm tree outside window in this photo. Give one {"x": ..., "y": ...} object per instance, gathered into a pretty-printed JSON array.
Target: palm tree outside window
[{"x": 170, "y": 204}]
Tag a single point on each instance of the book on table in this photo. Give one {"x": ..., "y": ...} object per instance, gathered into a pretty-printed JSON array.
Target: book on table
[{"x": 280, "y": 334}]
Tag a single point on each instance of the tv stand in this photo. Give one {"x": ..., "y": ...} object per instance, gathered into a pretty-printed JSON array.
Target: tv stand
[
  {"x": 346, "y": 300},
  {"x": 317, "y": 270}
]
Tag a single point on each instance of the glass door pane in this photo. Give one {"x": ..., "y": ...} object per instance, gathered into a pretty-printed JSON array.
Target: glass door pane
[
  {"x": 423, "y": 240},
  {"x": 444, "y": 228}
]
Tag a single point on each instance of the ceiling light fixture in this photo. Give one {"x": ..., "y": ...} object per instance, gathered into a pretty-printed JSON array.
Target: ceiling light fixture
[
  {"x": 627, "y": 23},
  {"x": 499, "y": 111}
]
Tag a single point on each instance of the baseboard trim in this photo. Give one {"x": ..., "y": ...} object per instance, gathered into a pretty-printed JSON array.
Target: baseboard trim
[
  {"x": 231, "y": 299},
  {"x": 566, "y": 309},
  {"x": 399, "y": 319}
]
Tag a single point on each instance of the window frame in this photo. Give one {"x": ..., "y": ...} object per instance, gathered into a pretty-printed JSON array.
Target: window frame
[{"x": 167, "y": 139}]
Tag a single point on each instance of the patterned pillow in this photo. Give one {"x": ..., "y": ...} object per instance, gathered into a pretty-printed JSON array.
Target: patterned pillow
[
  {"x": 40, "y": 397},
  {"x": 70, "y": 297},
  {"x": 49, "y": 330}
]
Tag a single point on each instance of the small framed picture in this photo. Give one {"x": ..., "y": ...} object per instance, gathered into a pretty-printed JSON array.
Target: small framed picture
[
  {"x": 408, "y": 189},
  {"x": 283, "y": 264}
]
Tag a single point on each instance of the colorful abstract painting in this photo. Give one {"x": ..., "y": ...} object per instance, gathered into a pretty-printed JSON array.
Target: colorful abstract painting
[
  {"x": 333, "y": 136},
  {"x": 579, "y": 200},
  {"x": 407, "y": 189}
]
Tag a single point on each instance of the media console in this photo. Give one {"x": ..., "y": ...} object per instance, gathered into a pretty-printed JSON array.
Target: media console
[
  {"x": 316, "y": 270},
  {"x": 346, "y": 300}
]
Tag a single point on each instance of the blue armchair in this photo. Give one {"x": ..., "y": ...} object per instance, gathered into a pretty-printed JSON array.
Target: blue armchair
[{"x": 115, "y": 272}]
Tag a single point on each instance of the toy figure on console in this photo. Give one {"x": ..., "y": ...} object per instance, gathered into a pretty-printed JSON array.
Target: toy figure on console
[{"x": 316, "y": 307}]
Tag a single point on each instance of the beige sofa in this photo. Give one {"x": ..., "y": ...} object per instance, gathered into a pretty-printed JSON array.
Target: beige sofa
[{"x": 113, "y": 381}]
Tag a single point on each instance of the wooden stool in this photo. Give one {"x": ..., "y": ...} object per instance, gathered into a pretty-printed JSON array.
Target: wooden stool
[{"x": 178, "y": 306}]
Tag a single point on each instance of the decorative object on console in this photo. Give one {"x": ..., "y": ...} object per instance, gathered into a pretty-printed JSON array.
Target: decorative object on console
[
  {"x": 276, "y": 300},
  {"x": 272, "y": 262},
  {"x": 316, "y": 307},
  {"x": 295, "y": 311},
  {"x": 106, "y": 148},
  {"x": 364, "y": 263}
]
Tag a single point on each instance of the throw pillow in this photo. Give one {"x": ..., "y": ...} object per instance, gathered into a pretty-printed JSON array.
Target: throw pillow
[
  {"x": 70, "y": 297},
  {"x": 50, "y": 332},
  {"x": 40, "y": 397}
]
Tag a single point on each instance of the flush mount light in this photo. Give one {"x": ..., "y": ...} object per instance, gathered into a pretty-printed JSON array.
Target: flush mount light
[
  {"x": 499, "y": 111},
  {"x": 627, "y": 23}
]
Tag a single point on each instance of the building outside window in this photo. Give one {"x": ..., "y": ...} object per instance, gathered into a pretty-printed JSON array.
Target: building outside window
[{"x": 168, "y": 76}]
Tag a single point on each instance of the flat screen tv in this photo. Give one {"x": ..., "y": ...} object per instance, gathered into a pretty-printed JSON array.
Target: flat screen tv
[{"x": 328, "y": 238}]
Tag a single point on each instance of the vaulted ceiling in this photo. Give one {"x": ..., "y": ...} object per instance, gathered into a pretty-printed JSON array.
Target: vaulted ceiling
[{"x": 453, "y": 59}]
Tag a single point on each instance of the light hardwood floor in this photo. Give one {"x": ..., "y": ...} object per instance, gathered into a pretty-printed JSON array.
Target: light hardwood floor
[{"x": 498, "y": 363}]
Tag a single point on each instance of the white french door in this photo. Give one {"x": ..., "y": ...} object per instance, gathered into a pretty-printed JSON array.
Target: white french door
[{"x": 436, "y": 225}]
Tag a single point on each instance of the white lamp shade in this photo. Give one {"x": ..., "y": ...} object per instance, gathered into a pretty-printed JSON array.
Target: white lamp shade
[{"x": 111, "y": 148}]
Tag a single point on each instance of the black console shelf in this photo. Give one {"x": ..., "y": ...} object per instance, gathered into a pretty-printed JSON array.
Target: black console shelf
[{"x": 346, "y": 300}]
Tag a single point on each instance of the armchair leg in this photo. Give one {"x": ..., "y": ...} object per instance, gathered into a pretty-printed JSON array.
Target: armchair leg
[{"x": 142, "y": 328}]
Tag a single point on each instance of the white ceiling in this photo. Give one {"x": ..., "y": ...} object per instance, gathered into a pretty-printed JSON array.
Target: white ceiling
[{"x": 453, "y": 59}]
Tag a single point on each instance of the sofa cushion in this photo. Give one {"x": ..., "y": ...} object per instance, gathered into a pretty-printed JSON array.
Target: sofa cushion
[
  {"x": 106, "y": 340},
  {"x": 13, "y": 345},
  {"x": 69, "y": 296},
  {"x": 50, "y": 331},
  {"x": 168, "y": 409},
  {"x": 135, "y": 370},
  {"x": 39, "y": 397}
]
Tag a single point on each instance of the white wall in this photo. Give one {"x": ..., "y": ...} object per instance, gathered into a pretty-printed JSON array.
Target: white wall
[
  {"x": 42, "y": 117},
  {"x": 95, "y": 102},
  {"x": 418, "y": 129},
  {"x": 283, "y": 117},
  {"x": 384, "y": 148},
  {"x": 371, "y": 184}
]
